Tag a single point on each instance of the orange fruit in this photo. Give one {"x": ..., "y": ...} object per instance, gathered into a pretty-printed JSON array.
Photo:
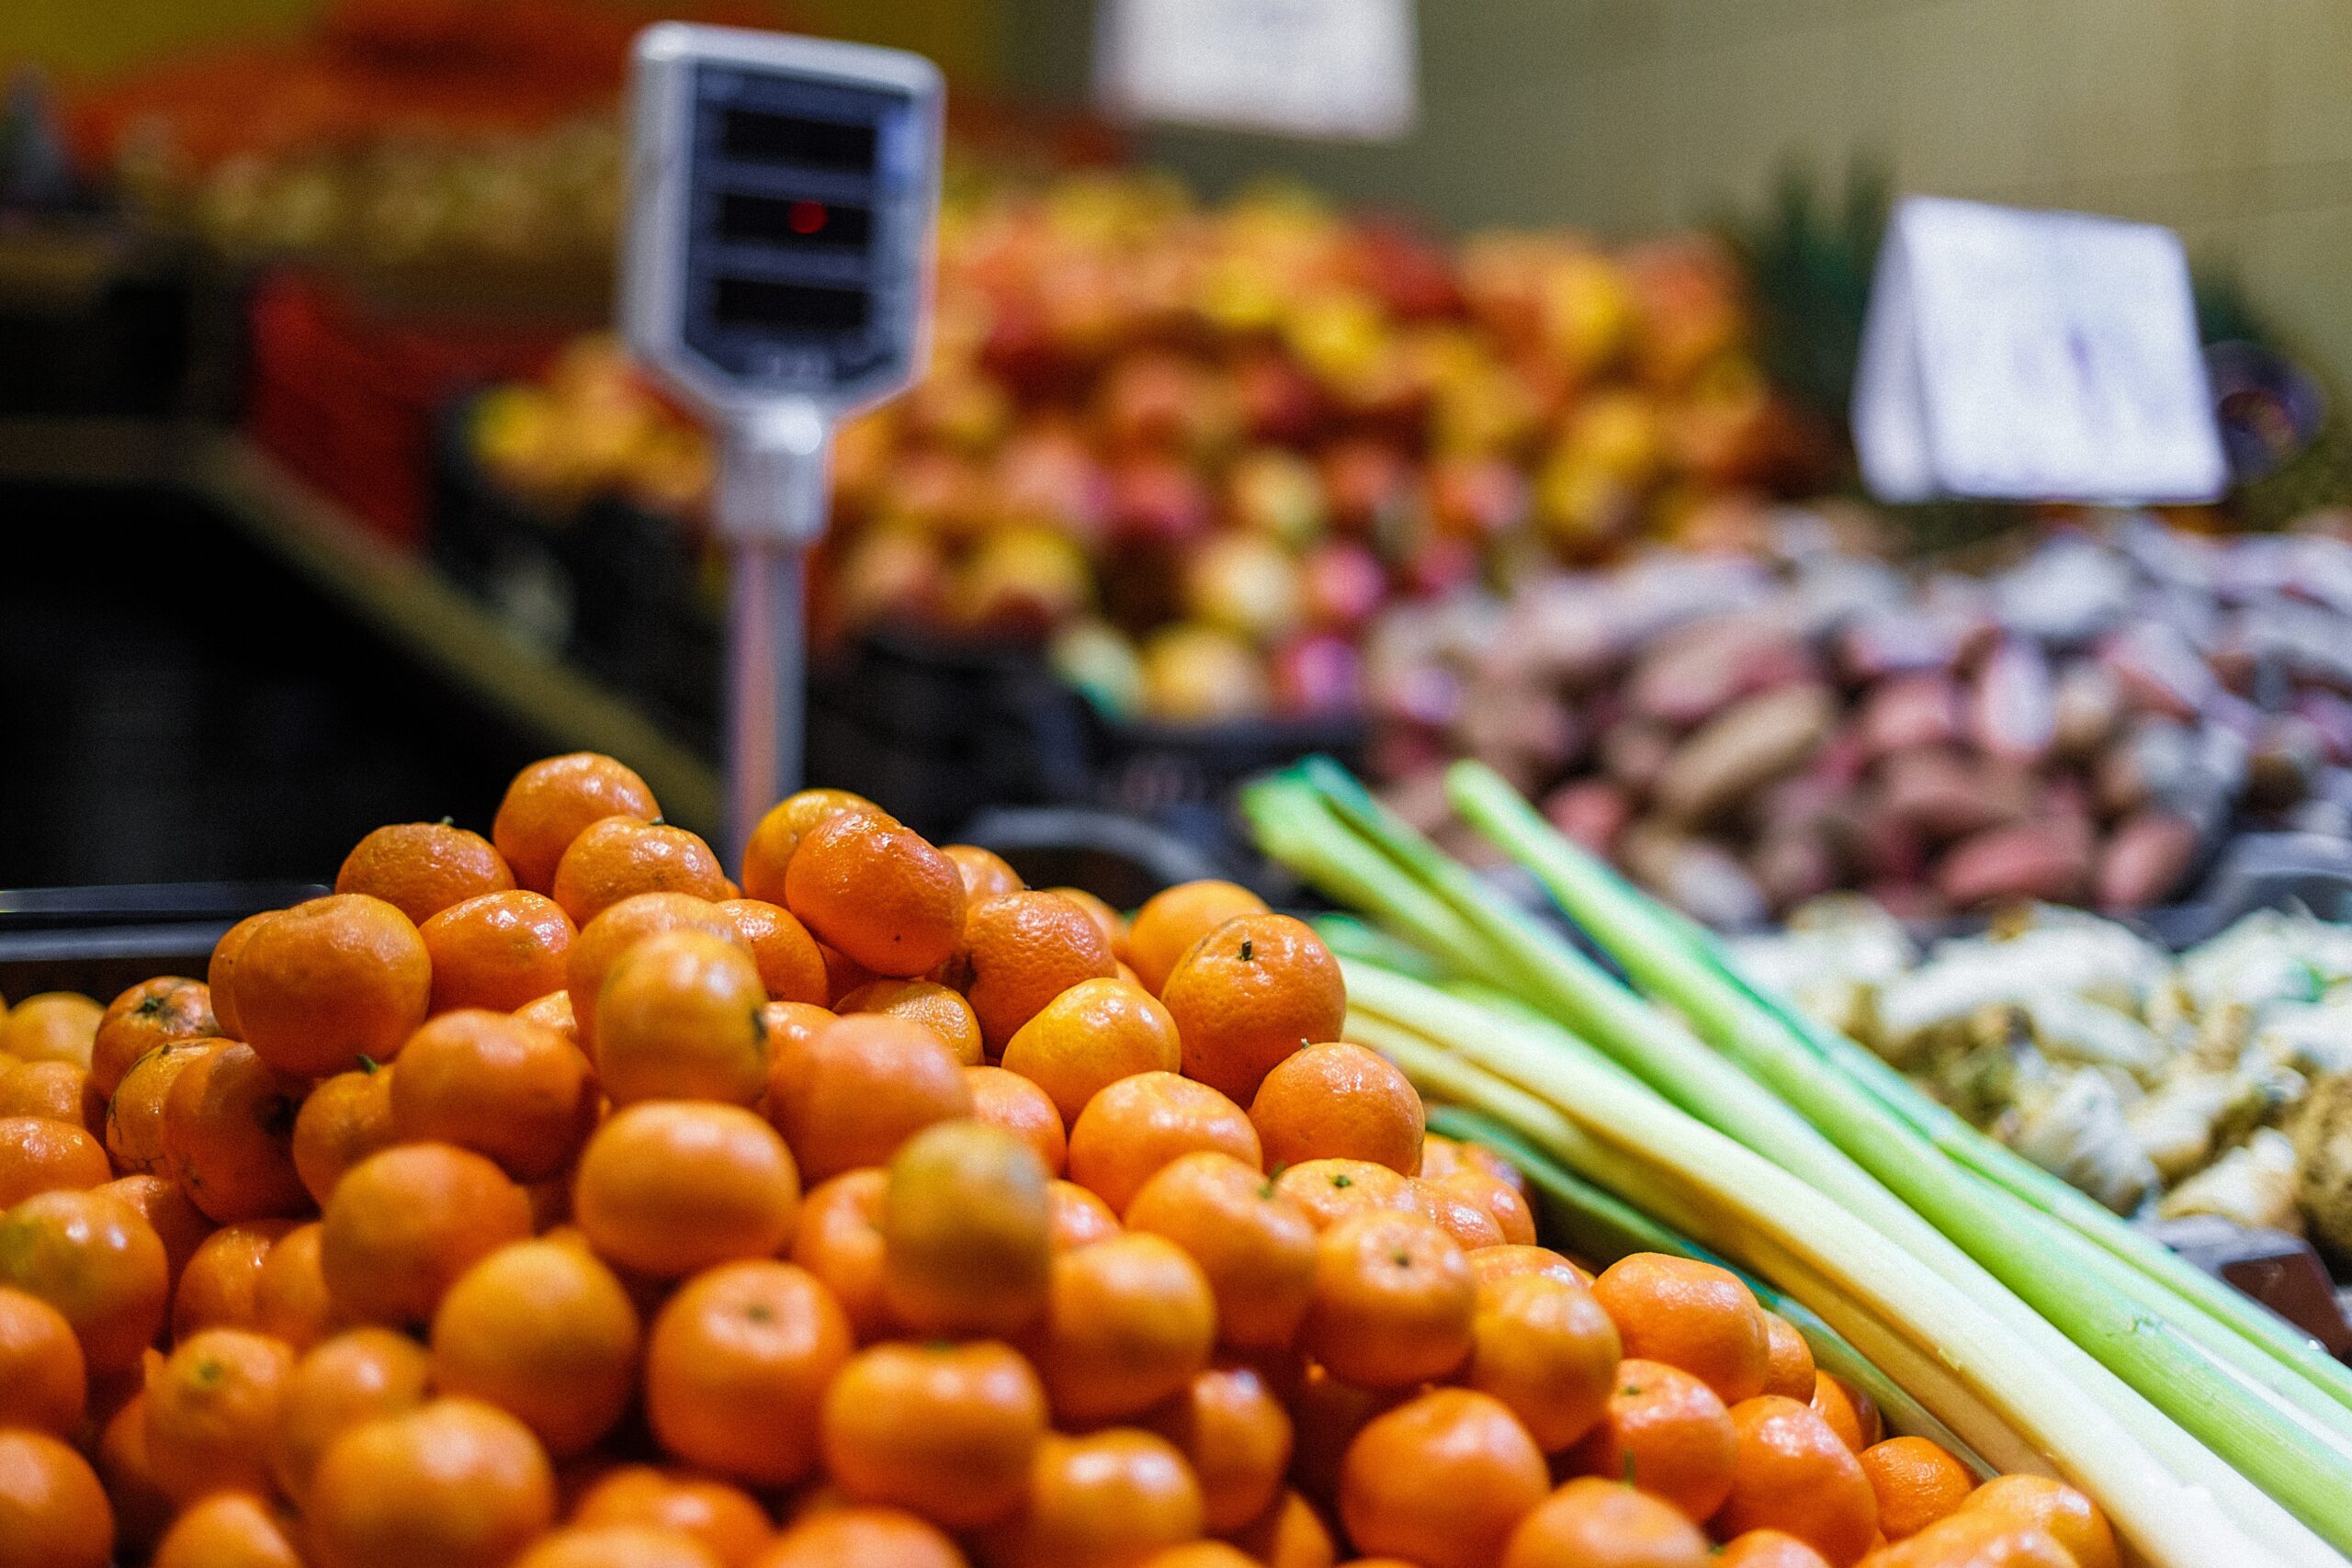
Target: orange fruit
[
  {"x": 423, "y": 868},
  {"x": 545, "y": 1333},
  {"x": 792, "y": 1023},
  {"x": 290, "y": 1298},
  {"x": 942, "y": 1012},
  {"x": 404, "y": 1224},
  {"x": 946, "y": 1431},
  {"x": 620, "y": 856},
  {"x": 859, "y": 1088},
  {"x": 728, "y": 1523},
  {"x": 616, "y": 1546},
  {"x": 1788, "y": 1369},
  {"x": 1328, "y": 1191},
  {"x": 1591, "y": 1523},
  {"x": 1916, "y": 1483},
  {"x": 863, "y": 1538},
  {"x": 1172, "y": 920},
  {"x": 551, "y": 1012},
  {"x": 350, "y": 1379},
  {"x": 2069, "y": 1518},
  {"x": 1076, "y": 1217},
  {"x": 1338, "y": 1101},
  {"x": 1291, "y": 1534},
  {"x": 668, "y": 1188},
  {"x": 220, "y": 1285},
  {"x": 210, "y": 1413},
  {"x": 345, "y": 1118},
  {"x": 331, "y": 980},
  {"x": 1255, "y": 1246},
  {"x": 1498, "y": 1197},
  {"x": 179, "y": 1225},
  {"x": 1090, "y": 1037},
  {"x": 228, "y": 1130},
  {"x": 53, "y": 1091},
  {"x": 1546, "y": 1350},
  {"x": 736, "y": 1369},
  {"x": 1106, "y": 920},
  {"x": 37, "y": 1155},
  {"x": 1442, "y": 1479},
  {"x": 1394, "y": 1301},
  {"x": 985, "y": 872},
  {"x": 1236, "y": 1436},
  {"x": 551, "y": 802},
  {"x": 220, "y": 971},
  {"x": 967, "y": 1246},
  {"x": 769, "y": 851},
  {"x": 1689, "y": 1314},
  {"x": 1792, "y": 1473},
  {"x": 43, "y": 1382},
  {"x": 488, "y": 1081},
  {"x": 1851, "y": 1414},
  {"x": 1251, "y": 993},
  {"x": 228, "y": 1530},
  {"x": 141, "y": 1512},
  {"x": 1008, "y": 1100},
  {"x": 678, "y": 1017},
  {"x": 1326, "y": 1414},
  {"x": 52, "y": 1026},
  {"x": 844, "y": 975},
  {"x": 454, "y": 1482},
  {"x": 790, "y": 966},
  {"x": 602, "y": 941},
  {"x": 1200, "y": 1554},
  {"x": 1973, "y": 1540},
  {"x": 1471, "y": 1224},
  {"x": 838, "y": 1240},
  {"x": 134, "y": 1123},
  {"x": 879, "y": 893},
  {"x": 1666, "y": 1433},
  {"x": 1022, "y": 950},
  {"x": 1766, "y": 1549},
  {"x": 98, "y": 1261},
  {"x": 53, "y": 1513},
  {"x": 1132, "y": 1127},
  {"x": 498, "y": 951},
  {"x": 1098, "y": 1501},
  {"x": 150, "y": 1014},
  {"x": 1130, "y": 1321}
]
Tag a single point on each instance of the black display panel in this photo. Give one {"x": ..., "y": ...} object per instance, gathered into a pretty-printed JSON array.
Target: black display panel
[
  {"x": 790, "y": 307},
  {"x": 791, "y": 138},
  {"x": 794, "y": 224}
]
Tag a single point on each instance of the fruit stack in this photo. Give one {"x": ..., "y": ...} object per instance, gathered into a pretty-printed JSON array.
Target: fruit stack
[{"x": 550, "y": 1199}]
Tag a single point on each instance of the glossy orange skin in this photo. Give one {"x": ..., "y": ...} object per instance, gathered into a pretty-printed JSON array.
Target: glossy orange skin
[
  {"x": 1248, "y": 995},
  {"x": 1851, "y": 1414},
  {"x": 53, "y": 1513},
  {"x": 1394, "y": 1302},
  {"x": 404, "y": 1224},
  {"x": 1592, "y": 1523},
  {"x": 134, "y": 1118},
  {"x": 500, "y": 951},
  {"x": 1470, "y": 1223},
  {"x": 768, "y": 852},
  {"x": 839, "y": 1241},
  {"x": 345, "y": 1118},
  {"x": 551, "y": 802},
  {"x": 1076, "y": 1217},
  {"x": 1130, "y": 1323},
  {"x": 521, "y": 1095},
  {"x": 210, "y": 1412},
  {"x": 141, "y": 1512},
  {"x": 53, "y": 1026},
  {"x": 1091, "y": 1036},
  {"x": 1288, "y": 1535},
  {"x": 43, "y": 1381},
  {"x": 227, "y": 1134},
  {"x": 736, "y": 1371},
  {"x": 37, "y": 1155},
  {"x": 423, "y": 868},
  {"x": 1794, "y": 1474},
  {"x": 228, "y": 1530},
  {"x": 1328, "y": 1191},
  {"x": 290, "y": 1298},
  {"x": 221, "y": 1286},
  {"x": 96, "y": 1261},
  {"x": 1171, "y": 921},
  {"x": 603, "y": 940},
  {"x": 966, "y": 1232},
  {"x": 1689, "y": 1314},
  {"x": 1255, "y": 1246},
  {"x": 945, "y": 1431},
  {"x": 1788, "y": 1369},
  {"x": 1338, "y": 1101},
  {"x": 1916, "y": 1483},
  {"x": 1106, "y": 920},
  {"x": 1441, "y": 1480},
  {"x": 790, "y": 966},
  {"x": 942, "y": 1012},
  {"x": 1138, "y": 1124},
  {"x": 1236, "y": 1435},
  {"x": 1022, "y": 950},
  {"x": 53, "y": 1091},
  {"x": 179, "y": 1225},
  {"x": 148, "y": 1014},
  {"x": 1326, "y": 1414},
  {"x": 615, "y": 1546},
  {"x": 669, "y": 1187},
  {"x": 986, "y": 873},
  {"x": 1098, "y": 1501},
  {"x": 723, "y": 1518},
  {"x": 879, "y": 893},
  {"x": 220, "y": 972},
  {"x": 545, "y": 1332},
  {"x": 1499, "y": 1198},
  {"x": 453, "y": 1483},
  {"x": 863, "y": 1538},
  {"x": 1983, "y": 1539},
  {"x": 553, "y": 1011},
  {"x": 331, "y": 980},
  {"x": 2064, "y": 1513},
  {"x": 1545, "y": 1349},
  {"x": 620, "y": 856},
  {"x": 1665, "y": 1431},
  {"x": 1009, "y": 1101},
  {"x": 860, "y": 1087},
  {"x": 678, "y": 1017},
  {"x": 1768, "y": 1548},
  {"x": 352, "y": 1378}
]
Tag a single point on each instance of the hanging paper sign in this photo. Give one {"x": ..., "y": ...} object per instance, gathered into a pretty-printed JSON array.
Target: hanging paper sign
[{"x": 1326, "y": 68}]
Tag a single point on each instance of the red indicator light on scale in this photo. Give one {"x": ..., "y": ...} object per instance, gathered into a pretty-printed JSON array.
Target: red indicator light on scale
[{"x": 806, "y": 217}]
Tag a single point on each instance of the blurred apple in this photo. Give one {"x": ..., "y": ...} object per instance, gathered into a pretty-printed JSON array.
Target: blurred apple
[
  {"x": 891, "y": 573},
  {"x": 1319, "y": 675},
  {"x": 1439, "y": 563},
  {"x": 1278, "y": 494},
  {"x": 1366, "y": 482},
  {"x": 941, "y": 490},
  {"x": 1588, "y": 311},
  {"x": 1341, "y": 585},
  {"x": 1246, "y": 584},
  {"x": 1154, "y": 400},
  {"x": 1047, "y": 476},
  {"x": 1021, "y": 582},
  {"x": 1157, "y": 501},
  {"x": 1278, "y": 401},
  {"x": 964, "y": 410},
  {"x": 1198, "y": 674},
  {"x": 1476, "y": 499}
]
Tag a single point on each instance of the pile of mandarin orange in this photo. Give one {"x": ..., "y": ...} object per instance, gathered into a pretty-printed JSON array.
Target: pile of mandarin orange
[{"x": 551, "y": 1200}]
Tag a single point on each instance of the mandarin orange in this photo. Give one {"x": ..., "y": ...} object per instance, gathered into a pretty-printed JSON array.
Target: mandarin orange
[
  {"x": 331, "y": 980},
  {"x": 52, "y": 1026},
  {"x": 938, "y": 1009},
  {"x": 1130, "y": 1321},
  {"x": 1090, "y": 1037},
  {"x": 726, "y": 1520},
  {"x": 769, "y": 851},
  {"x": 618, "y": 857},
  {"x": 1916, "y": 1483},
  {"x": 210, "y": 1412},
  {"x": 37, "y": 1155},
  {"x": 1251, "y": 993},
  {"x": 500, "y": 951},
  {"x": 344, "y": 1119},
  {"x": 1171, "y": 921},
  {"x": 545, "y": 1332},
  {"x": 860, "y": 1087},
  {"x": 1008, "y": 1100},
  {"x": 1132, "y": 1127},
  {"x": 1689, "y": 1314},
  {"x": 551, "y": 802},
  {"x": 1442, "y": 1479},
  {"x": 1665, "y": 1432},
  {"x": 1591, "y": 1523},
  {"x": 423, "y": 868},
  {"x": 489, "y": 1082},
  {"x": 1394, "y": 1301},
  {"x": 1547, "y": 1350},
  {"x": 669, "y": 1187},
  {"x": 966, "y": 1231},
  {"x": 134, "y": 1123},
  {"x": 342, "y": 1382},
  {"x": 679, "y": 1018},
  {"x": 790, "y": 966},
  {"x": 150, "y": 1014},
  {"x": 1022, "y": 951},
  {"x": 1098, "y": 1501},
  {"x": 839, "y": 1241},
  {"x": 290, "y": 1297},
  {"x": 229, "y": 1529},
  {"x": 403, "y": 1224},
  {"x": 985, "y": 872},
  {"x": 95, "y": 1259},
  {"x": 879, "y": 893},
  {"x": 221, "y": 1286},
  {"x": 228, "y": 1130},
  {"x": 946, "y": 1431},
  {"x": 863, "y": 1538},
  {"x": 1255, "y": 1246},
  {"x": 43, "y": 1381},
  {"x": 1235, "y": 1433},
  {"x": 1338, "y": 1101},
  {"x": 454, "y": 1483},
  {"x": 53, "y": 1513},
  {"x": 736, "y": 1370},
  {"x": 603, "y": 940}
]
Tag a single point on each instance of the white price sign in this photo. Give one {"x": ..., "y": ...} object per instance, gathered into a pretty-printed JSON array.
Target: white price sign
[
  {"x": 2021, "y": 356},
  {"x": 1330, "y": 68}
]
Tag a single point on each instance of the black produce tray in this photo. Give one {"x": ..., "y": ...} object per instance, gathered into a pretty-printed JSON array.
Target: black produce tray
[{"x": 98, "y": 941}]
